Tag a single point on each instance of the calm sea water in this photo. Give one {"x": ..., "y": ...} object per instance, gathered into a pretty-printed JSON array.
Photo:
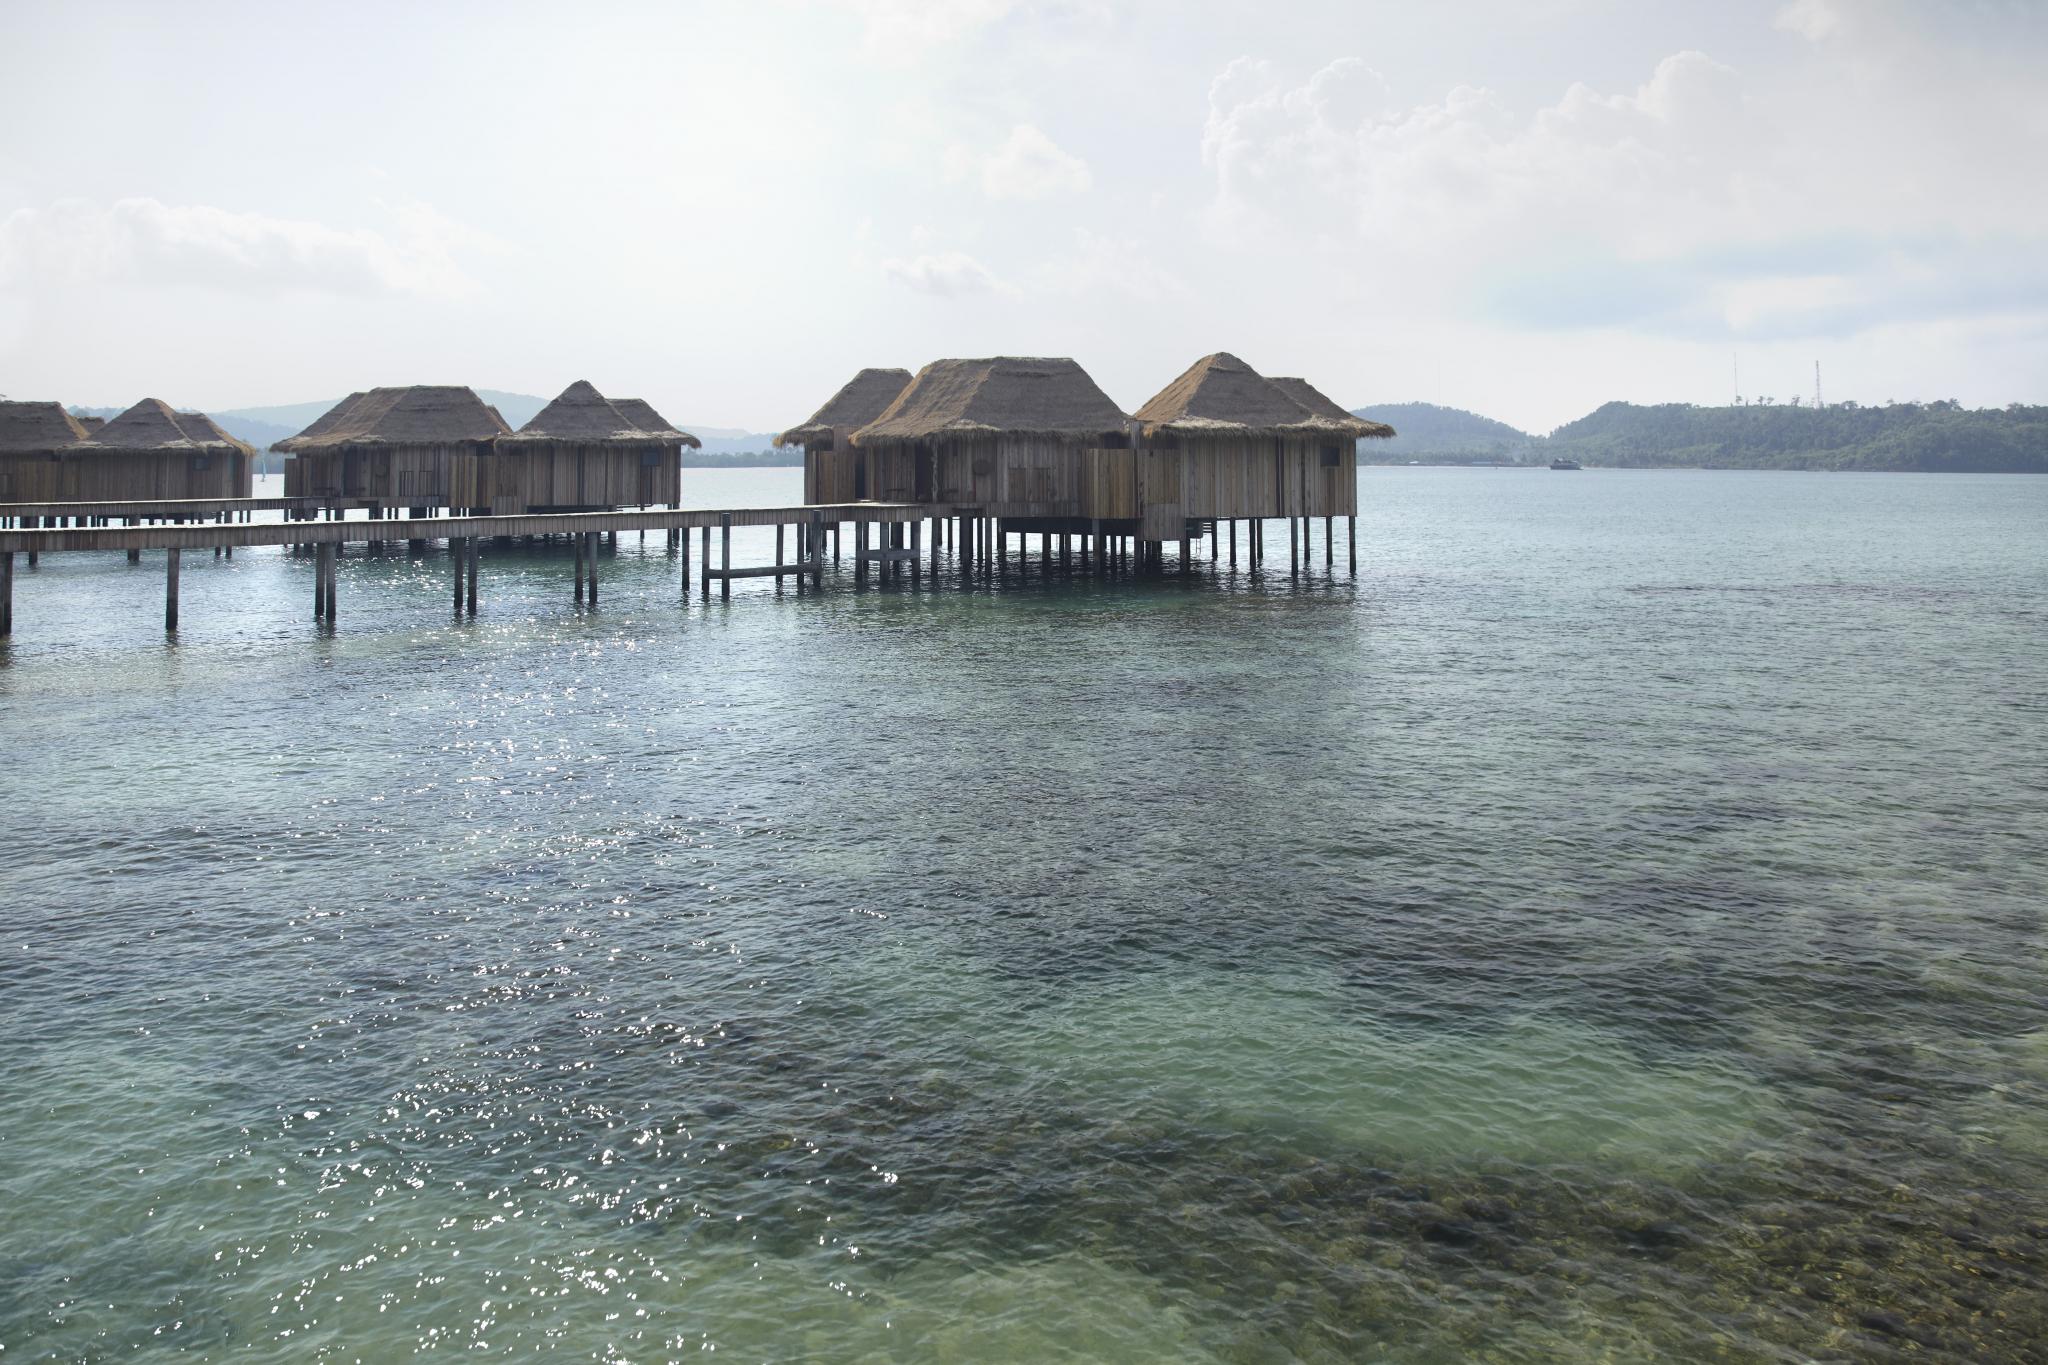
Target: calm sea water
[{"x": 1609, "y": 928}]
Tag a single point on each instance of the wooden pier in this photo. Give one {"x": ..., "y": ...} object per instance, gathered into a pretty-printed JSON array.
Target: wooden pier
[{"x": 889, "y": 540}]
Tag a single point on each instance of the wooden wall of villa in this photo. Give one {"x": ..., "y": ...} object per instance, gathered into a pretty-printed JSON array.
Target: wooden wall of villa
[
  {"x": 117, "y": 475},
  {"x": 565, "y": 476},
  {"x": 394, "y": 476},
  {"x": 1161, "y": 483}
]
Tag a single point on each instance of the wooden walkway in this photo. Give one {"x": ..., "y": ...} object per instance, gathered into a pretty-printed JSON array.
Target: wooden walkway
[
  {"x": 814, "y": 526},
  {"x": 194, "y": 509},
  {"x": 888, "y": 541}
]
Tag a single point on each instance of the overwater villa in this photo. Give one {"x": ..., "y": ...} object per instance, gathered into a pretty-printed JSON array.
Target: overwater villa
[
  {"x": 580, "y": 453},
  {"x": 393, "y": 447},
  {"x": 33, "y": 436},
  {"x": 181, "y": 455},
  {"x": 149, "y": 453},
  {"x": 1007, "y": 437},
  {"x": 1239, "y": 445},
  {"x": 834, "y": 470}
]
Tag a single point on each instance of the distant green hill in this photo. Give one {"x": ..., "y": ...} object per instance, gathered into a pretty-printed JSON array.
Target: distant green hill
[
  {"x": 1426, "y": 430},
  {"x": 1898, "y": 436}
]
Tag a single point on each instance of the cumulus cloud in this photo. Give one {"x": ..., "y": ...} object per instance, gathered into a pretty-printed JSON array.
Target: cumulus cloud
[
  {"x": 1029, "y": 165},
  {"x": 148, "y": 243},
  {"x": 1462, "y": 167},
  {"x": 1684, "y": 205},
  {"x": 949, "y": 274}
]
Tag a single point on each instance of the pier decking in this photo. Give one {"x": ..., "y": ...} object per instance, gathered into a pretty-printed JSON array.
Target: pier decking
[
  {"x": 815, "y": 527},
  {"x": 889, "y": 540}
]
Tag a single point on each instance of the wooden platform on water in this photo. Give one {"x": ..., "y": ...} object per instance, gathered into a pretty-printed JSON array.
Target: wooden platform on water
[
  {"x": 192, "y": 508},
  {"x": 888, "y": 540},
  {"x": 205, "y": 535}
]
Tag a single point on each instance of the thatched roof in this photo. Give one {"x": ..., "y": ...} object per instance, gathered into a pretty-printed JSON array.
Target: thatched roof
[
  {"x": 154, "y": 425},
  {"x": 1005, "y": 394},
  {"x": 1220, "y": 395},
  {"x": 582, "y": 415},
  {"x": 865, "y": 397},
  {"x": 89, "y": 424},
  {"x": 36, "y": 428},
  {"x": 421, "y": 415},
  {"x": 202, "y": 428},
  {"x": 1322, "y": 405},
  {"x": 642, "y": 415},
  {"x": 326, "y": 421}
]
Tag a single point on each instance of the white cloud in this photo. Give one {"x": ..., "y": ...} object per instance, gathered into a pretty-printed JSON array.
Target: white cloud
[
  {"x": 1690, "y": 206},
  {"x": 147, "y": 243},
  {"x": 1625, "y": 168},
  {"x": 1030, "y": 165},
  {"x": 949, "y": 274}
]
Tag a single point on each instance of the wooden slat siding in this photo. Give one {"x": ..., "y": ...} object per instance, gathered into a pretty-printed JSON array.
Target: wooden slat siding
[
  {"x": 125, "y": 476},
  {"x": 1110, "y": 484}
]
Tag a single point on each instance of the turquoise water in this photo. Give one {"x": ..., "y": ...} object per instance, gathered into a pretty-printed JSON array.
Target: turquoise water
[{"x": 1609, "y": 928}]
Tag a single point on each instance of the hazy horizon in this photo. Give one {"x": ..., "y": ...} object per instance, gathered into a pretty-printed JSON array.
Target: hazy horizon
[{"x": 1520, "y": 210}]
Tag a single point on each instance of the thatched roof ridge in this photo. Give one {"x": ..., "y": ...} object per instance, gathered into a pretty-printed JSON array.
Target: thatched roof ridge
[
  {"x": 1002, "y": 395},
  {"x": 89, "y": 424},
  {"x": 36, "y": 428},
  {"x": 859, "y": 401},
  {"x": 583, "y": 416},
  {"x": 1320, "y": 404},
  {"x": 153, "y": 424},
  {"x": 419, "y": 415},
  {"x": 205, "y": 431},
  {"x": 643, "y": 417},
  {"x": 1220, "y": 394},
  {"x": 328, "y": 420}
]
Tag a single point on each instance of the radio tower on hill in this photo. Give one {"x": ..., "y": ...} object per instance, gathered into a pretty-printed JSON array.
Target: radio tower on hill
[{"x": 1816, "y": 385}]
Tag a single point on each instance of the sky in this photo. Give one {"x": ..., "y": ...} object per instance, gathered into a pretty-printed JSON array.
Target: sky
[{"x": 1526, "y": 209}]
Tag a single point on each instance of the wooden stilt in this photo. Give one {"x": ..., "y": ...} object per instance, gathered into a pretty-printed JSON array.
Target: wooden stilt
[
  {"x": 459, "y": 552},
  {"x": 590, "y": 558},
  {"x": 6, "y": 592},
  {"x": 817, "y": 549},
  {"x": 778, "y": 554},
  {"x": 705, "y": 548},
  {"x": 1352, "y": 527},
  {"x": 1293, "y": 547},
  {"x": 581, "y": 543},
  {"x": 916, "y": 551},
  {"x": 725, "y": 556},
  {"x": 1329, "y": 542},
  {"x": 476, "y": 564},
  {"x": 320, "y": 584},
  {"x": 170, "y": 590}
]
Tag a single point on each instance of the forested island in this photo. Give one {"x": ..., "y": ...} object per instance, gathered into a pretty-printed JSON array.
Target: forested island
[{"x": 1937, "y": 436}]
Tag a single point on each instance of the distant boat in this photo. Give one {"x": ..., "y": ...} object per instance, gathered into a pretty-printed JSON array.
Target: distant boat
[{"x": 1564, "y": 464}]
